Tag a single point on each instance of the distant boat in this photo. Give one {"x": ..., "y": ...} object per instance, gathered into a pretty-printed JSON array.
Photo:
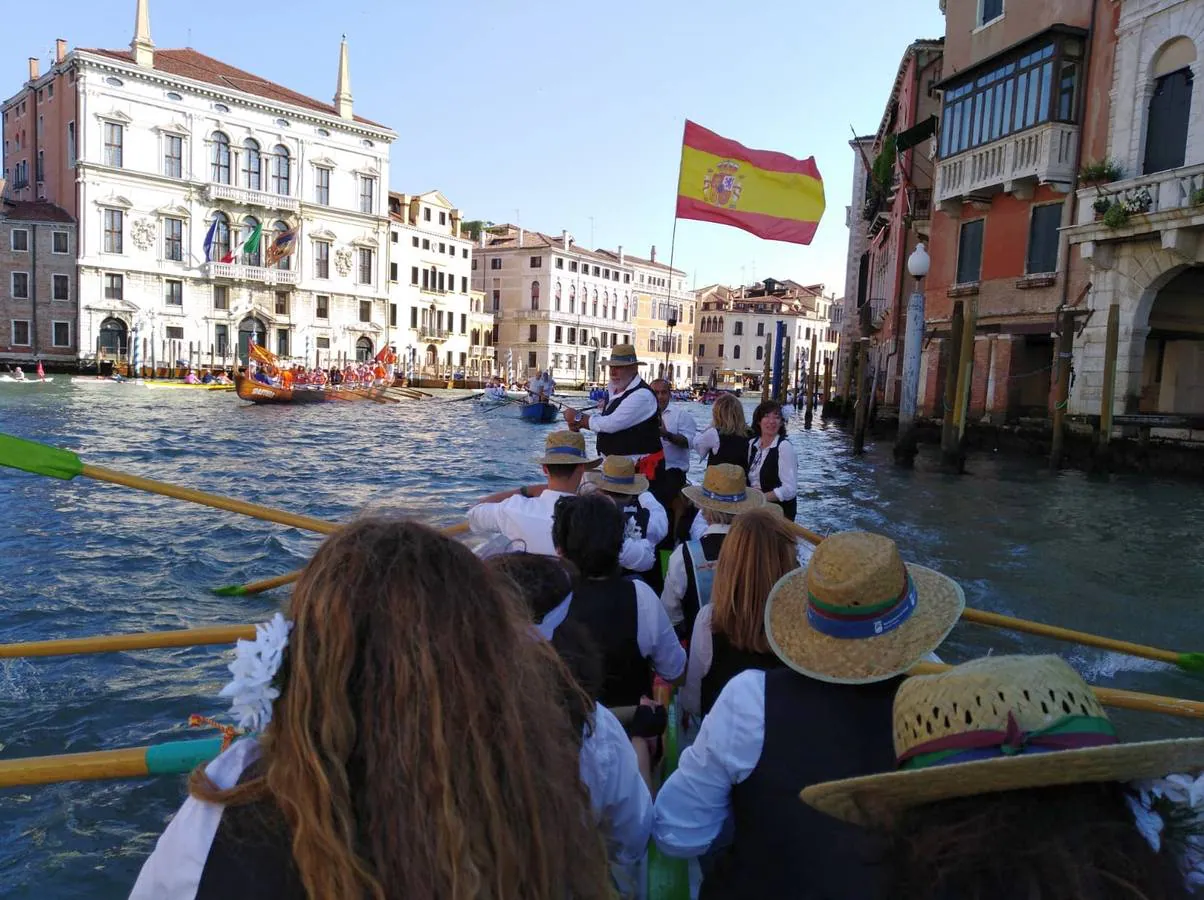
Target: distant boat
[
  {"x": 543, "y": 413},
  {"x": 258, "y": 392},
  {"x": 33, "y": 379}
]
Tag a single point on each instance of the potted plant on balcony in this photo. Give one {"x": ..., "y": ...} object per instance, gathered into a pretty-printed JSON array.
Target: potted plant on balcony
[
  {"x": 1138, "y": 203},
  {"x": 1101, "y": 205},
  {"x": 1103, "y": 171},
  {"x": 1197, "y": 197},
  {"x": 1117, "y": 215}
]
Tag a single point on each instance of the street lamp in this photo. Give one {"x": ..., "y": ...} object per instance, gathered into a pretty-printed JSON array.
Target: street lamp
[
  {"x": 669, "y": 347},
  {"x": 906, "y": 444}
]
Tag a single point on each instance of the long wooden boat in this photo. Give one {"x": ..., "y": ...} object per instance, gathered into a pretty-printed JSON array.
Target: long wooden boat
[
  {"x": 544, "y": 413},
  {"x": 258, "y": 392}
]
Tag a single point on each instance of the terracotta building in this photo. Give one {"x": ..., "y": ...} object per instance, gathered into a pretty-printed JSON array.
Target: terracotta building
[
  {"x": 1025, "y": 101},
  {"x": 39, "y": 297}
]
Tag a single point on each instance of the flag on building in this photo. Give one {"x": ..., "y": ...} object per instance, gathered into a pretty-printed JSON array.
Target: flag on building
[
  {"x": 250, "y": 245},
  {"x": 284, "y": 245},
  {"x": 767, "y": 193},
  {"x": 209, "y": 239}
]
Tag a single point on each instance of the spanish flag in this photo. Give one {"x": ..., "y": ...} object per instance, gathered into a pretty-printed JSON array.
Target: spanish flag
[{"x": 770, "y": 194}]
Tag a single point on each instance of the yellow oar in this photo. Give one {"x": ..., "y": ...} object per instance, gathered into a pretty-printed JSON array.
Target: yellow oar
[
  {"x": 1189, "y": 662},
  {"x": 268, "y": 584},
  {"x": 141, "y": 640}
]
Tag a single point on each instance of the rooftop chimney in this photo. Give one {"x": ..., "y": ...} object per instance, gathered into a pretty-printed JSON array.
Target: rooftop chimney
[
  {"x": 142, "y": 46},
  {"x": 482, "y": 236},
  {"x": 342, "y": 90},
  {"x": 60, "y": 50},
  {"x": 565, "y": 238},
  {"x": 652, "y": 255},
  {"x": 520, "y": 236},
  {"x": 620, "y": 254},
  {"x": 33, "y": 68}
]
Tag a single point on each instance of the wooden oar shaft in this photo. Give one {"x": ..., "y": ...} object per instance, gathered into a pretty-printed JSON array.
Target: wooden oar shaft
[
  {"x": 142, "y": 640},
  {"x": 1114, "y": 697},
  {"x": 254, "y": 510},
  {"x": 172, "y": 758},
  {"x": 982, "y": 617}
]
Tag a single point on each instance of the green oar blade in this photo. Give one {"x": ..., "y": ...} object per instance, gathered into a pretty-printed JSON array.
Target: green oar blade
[
  {"x": 1191, "y": 662},
  {"x": 39, "y": 459},
  {"x": 231, "y": 590}
]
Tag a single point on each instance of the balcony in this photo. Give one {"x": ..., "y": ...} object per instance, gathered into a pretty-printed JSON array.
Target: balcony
[
  {"x": 431, "y": 335},
  {"x": 483, "y": 352},
  {"x": 1173, "y": 190},
  {"x": 243, "y": 197},
  {"x": 250, "y": 273},
  {"x": 1015, "y": 164}
]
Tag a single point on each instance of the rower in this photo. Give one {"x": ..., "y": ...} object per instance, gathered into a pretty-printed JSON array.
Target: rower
[
  {"x": 628, "y": 423},
  {"x": 677, "y": 430},
  {"x": 647, "y": 523}
]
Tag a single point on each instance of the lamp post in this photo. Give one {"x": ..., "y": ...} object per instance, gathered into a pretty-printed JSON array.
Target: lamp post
[
  {"x": 906, "y": 442},
  {"x": 669, "y": 347}
]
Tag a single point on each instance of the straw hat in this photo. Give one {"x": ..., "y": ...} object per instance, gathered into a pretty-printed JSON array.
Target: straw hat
[
  {"x": 1004, "y": 708},
  {"x": 618, "y": 476},
  {"x": 724, "y": 489},
  {"x": 857, "y": 614},
  {"x": 564, "y": 448},
  {"x": 622, "y": 355}
]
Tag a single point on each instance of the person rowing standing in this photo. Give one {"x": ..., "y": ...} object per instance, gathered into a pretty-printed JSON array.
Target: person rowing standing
[{"x": 628, "y": 423}]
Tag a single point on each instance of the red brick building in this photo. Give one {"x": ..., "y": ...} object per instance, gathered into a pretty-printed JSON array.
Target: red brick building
[
  {"x": 39, "y": 299},
  {"x": 1025, "y": 104}
]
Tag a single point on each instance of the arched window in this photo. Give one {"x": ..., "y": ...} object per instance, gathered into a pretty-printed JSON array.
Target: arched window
[
  {"x": 220, "y": 158},
  {"x": 558, "y": 296},
  {"x": 363, "y": 349},
  {"x": 253, "y": 255},
  {"x": 736, "y": 352},
  {"x": 113, "y": 338},
  {"x": 572, "y": 298},
  {"x": 221, "y": 238},
  {"x": 252, "y": 165},
  {"x": 535, "y": 295},
  {"x": 1170, "y": 107},
  {"x": 282, "y": 170},
  {"x": 279, "y": 229},
  {"x": 760, "y": 353},
  {"x": 626, "y": 307},
  {"x": 651, "y": 341}
]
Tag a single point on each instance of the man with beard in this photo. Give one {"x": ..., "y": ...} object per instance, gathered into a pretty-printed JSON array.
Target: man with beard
[{"x": 628, "y": 423}]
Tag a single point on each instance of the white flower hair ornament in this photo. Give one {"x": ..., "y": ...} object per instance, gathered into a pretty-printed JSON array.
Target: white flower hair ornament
[
  {"x": 255, "y": 666},
  {"x": 1170, "y": 812}
]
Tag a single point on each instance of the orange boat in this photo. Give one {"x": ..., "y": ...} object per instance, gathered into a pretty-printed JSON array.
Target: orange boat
[{"x": 258, "y": 392}]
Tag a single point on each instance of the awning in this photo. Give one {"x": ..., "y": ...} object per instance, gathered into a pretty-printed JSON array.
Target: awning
[{"x": 905, "y": 140}]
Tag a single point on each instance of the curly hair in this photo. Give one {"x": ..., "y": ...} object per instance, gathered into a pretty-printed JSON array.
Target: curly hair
[
  {"x": 411, "y": 751},
  {"x": 727, "y": 415}
]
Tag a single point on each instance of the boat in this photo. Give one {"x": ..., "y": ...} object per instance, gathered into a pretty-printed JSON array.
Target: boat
[
  {"x": 258, "y": 392},
  {"x": 544, "y": 413},
  {"x": 8, "y": 379},
  {"x": 181, "y": 385}
]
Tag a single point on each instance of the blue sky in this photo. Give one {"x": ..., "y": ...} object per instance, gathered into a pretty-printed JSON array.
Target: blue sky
[{"x": 556, "y": 112}]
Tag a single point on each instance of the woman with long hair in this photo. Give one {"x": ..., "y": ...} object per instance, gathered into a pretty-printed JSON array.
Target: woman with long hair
[
  {"x": 726, "y": 441},
  {"x": 772, "y": 462},
  {"x": 729, "y": 633},
  {"x": 410, "y": 752}
]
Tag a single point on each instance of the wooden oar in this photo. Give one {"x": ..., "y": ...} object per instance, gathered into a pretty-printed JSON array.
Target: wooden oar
[
  {"x": 172, "y": 758},
  {"x": 139, "y": 640},
  {"x": 267, "y": 584},
  {"x": 1189, "y": 662}
]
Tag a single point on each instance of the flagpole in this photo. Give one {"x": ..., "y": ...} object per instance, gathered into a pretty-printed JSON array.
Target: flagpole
[{"x": 673, "y": 249}]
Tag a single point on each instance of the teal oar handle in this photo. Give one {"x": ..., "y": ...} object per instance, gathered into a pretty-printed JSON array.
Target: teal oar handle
[
  {"x": 181, "y": 757},
  {"x": 39, "y": 459}
]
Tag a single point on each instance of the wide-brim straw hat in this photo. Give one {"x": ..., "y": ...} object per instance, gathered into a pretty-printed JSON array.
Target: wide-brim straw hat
[
  {"x": 724, "y": 489},
  {"x": 566, "y": 448},
  {"x": 1036, "y": 692},
  {"x": 622, "y": 355},
  {"x": 618, "y": 476},
  {"x": 890, "y": 614}
]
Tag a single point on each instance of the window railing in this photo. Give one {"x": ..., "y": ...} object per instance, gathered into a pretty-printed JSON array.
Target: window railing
[
  {"x": 1170, "y": 190},
  {"x": 246, "y": 197},
  {"x": 249, "y": 273}
]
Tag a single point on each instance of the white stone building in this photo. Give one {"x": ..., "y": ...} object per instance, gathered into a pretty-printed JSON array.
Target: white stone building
[
  {"x": 857, "y": 275},
  {"x": 442, "y": 329},
  {"x": 558, "y": 306},
  {"x": 1147, "y": 256},
  {"x": 166, "y": 146}
]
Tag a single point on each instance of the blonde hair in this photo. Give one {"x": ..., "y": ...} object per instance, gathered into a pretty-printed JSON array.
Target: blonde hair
[
  {"x": 727, "y": 415},
  {"x": 758, "y": 551}
]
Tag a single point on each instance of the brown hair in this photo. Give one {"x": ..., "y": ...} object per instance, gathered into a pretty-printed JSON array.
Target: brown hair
[
  {"x": 758, "y": 551},
  {"x": 415, "y": 749},
  {"x": 727, "y": 415}
]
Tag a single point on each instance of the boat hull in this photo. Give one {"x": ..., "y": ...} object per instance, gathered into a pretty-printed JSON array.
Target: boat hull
[
  {"x": 258, "y": 392},
  {"x": 544, "y": 413}
]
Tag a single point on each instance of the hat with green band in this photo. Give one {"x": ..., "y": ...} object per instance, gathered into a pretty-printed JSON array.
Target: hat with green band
[
  {"x": 858, "y": 614},
  {"x": 1002, "y": 723}
]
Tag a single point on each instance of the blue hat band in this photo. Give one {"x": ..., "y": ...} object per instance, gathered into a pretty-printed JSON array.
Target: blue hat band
[
  {"x": 619, "y": 479},
  {"x": 567, "y": 451},
  {"x": 725, "y": 498}
]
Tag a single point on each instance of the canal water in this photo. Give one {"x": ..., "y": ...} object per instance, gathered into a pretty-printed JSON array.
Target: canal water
[{"x": 1120, "y": 557}]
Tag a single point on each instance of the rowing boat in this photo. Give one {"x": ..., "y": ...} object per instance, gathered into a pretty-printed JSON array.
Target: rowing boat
[
  {"x": 181, "y": 385},
  {"x": 8, "y": 379},
  {"x": 543, "y": 413},
  {"x": 258, "y": 392}
]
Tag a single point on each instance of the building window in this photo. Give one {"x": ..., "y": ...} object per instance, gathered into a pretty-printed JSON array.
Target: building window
[
  {"x": 114, "y": 143},
  {"x": 393, "y": 271},
  {"x": 495, "y": 263},
  {"x": 559, "y": 263},
  {"x": 414, "y": 241},
  {"x": 1043, "y": 239},
  {"x": 572, "y": 265},
  {"x": 60, "y": 287},
  {"x": 19, "y": 240},
  {"x": 174, "y": 332},
  {"x": 531, "y": 360},
  {"x": 442, "y": 218},
  {"x": 365, "y": 266},
  {"x": 282, "y": 303},
  {"x": 426, "y": 244},
  {"x": 253, "y": 256},
  {"x": 989, "y": 11},
  {"x": 392, "y": 315},
  {"x": 20, "y": 332},
  {"x": 426, "y": 214},
  {"x": 702, "y": 349},
  {"x": 221, "y": 296},
  {"x": 114, "y": 287},
  {"x": 365, "y": 310},
  {"x": 173, "y": 293},
  {"x": 220, "y": 248},
  {"x": 559, "y": 335},
  {"x": 60, "y": 242},
  {"x": 535, "y": 295},
  {"x": 113, "y": 221},
  {"x": 321, "y": 259},
  {"x": 463, "y": 284},
  {"x": 969, "y": 252},
  {"x": 20, "y": 285},
  {"x": 367, "y": 194},
  {"x": 738, "y": 329},
  {"x": 413, "y": 275},
  {"x": 322, "y": 306},
  {"x": 70, "y": 143},
  {"x": 322, "y": 186},
  {"x": 322, "y": 343},
  {"x": 463, "y": 323},
  {"x": 173, "y": 239},
  {"x": 1167, "y": 124},
  {"x": 221, "y": 340},
  {"x": 220, "y": 158},
  {"x": 252, "y": 165},
  {"x": 532, "y": 333},
  {"x": 497, "y": 300},
  {"x": 440, "y": 282},
  {"x": 536, "y": 262},
  {"x": 282, "y": 342},
  {"x": 282, "y": 171},
  {"x": 413, "y": 316},
  {"x": 173, "y": 156}
]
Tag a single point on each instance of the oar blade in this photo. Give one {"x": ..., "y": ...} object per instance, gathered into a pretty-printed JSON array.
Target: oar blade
[
  {"x": 39, "y": 459},
  {"x": 1191, "y": 662},
  {"x": 231, "y": 590}
]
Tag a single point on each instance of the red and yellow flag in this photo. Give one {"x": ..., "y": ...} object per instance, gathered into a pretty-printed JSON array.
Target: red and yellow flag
[{"x": 770, "y": 194}]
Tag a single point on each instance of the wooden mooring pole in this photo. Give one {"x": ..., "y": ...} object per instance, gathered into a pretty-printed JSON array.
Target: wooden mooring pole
[
  {"x": 1063, "y": 353},
  {"x": 811, "y": 386},
  {"x": 949, "y": 398},
  {"x": 1108, "y": 391},
  {"x": 861, "y": 420}
]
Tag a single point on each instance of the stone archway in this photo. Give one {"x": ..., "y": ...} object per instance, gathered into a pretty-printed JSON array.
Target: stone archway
[
  {"x": 248, "y": 328},
  {"x": 1172, "y": 371},
  {"x": 113, "y": 338}
]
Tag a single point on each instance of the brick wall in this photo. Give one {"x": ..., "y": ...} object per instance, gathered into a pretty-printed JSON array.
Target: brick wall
[{"x": 41, "y": 286}]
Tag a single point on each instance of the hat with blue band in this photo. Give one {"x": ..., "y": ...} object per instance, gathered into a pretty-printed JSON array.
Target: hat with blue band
[
  {"x": 724, "y": 489},
  {"x": 566, "y": 448},
  {"x": 618, "y": 476}
]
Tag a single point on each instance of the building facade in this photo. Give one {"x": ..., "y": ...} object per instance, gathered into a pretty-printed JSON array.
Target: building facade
[
  {"x": 39, "y": 300},
  {"x": 558, "y": 306},
  {"x": 856, "y": 282},
  {"x": 172, "y": 173},
  {"x": 1141, "y": 234}
]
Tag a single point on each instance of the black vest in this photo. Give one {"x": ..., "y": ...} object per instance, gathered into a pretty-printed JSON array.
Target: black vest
[
  {"x": 608, "y": 609},
  {"x": 814, "y": 731},
  {"x": 638, "y": 440},
  {"x": 726, "y": 663},
  {"x": 733, "y": 448},
  {"x": 633, "y": 509},
  {"x": 770, "y": 479},
  {"x": 691, "y": 602}
]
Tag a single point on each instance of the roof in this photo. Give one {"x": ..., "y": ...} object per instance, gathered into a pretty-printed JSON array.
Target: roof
[
  {"x": 188, "y": 63},
  {"x": 505, "y": 237},
  {"x": 650, "y": 264},
  {"x": 914, "y": 49},
  {"x": 34, "y": 211}
]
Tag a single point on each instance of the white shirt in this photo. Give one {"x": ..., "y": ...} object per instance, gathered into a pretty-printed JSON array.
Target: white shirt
[
  {"x": 787, "y": 468},
  {"x": 678, "y": 421},
  {"x": 631, "y": 411},
  {"x": 522, "y": 519},
  {"x": 707, "y": 443},
  {"x": 676, "y": 580},
  {"x": 655, "y": 636}
]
